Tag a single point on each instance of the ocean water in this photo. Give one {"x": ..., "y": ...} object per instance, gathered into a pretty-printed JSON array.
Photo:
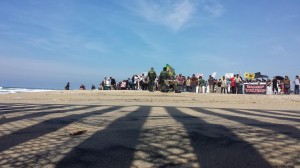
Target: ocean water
[{"x": 11, "y": 90}]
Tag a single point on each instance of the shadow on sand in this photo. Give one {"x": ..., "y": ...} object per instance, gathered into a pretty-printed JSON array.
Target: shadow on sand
[
  {"x": 214, "y": 145},
  {"x": 113, "y": 147},
  {"x": 46, "y": 127},
  {"x": 217, "y": 146}
]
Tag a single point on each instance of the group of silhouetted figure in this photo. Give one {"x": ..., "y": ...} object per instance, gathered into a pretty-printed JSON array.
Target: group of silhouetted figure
[{"x": 82, "y": 87}]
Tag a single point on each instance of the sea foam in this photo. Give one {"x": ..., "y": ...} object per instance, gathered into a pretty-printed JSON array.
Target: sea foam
[{"x": 11, "y": 90}]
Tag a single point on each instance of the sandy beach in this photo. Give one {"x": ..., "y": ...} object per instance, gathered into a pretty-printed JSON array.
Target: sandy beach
[{"x": 149, "y": 129}]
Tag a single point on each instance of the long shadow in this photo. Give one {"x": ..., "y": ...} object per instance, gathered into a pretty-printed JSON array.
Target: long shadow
[
  {"x": 289, "y": 111},
  {"x": 3, "y": 106},
  {"x": 285, "y": 129},
  {"x": 263, "y": 115},
  {"x": 113, "y": 147},
  {"x": 282, "y": 113},
  {"x": 40, "y": 114},
  {"x": 19, "y": 106},
  {"x": 40, "y": 108},
  {"x": 45, "y": 127},
  {"x": 217, "y": 146}
]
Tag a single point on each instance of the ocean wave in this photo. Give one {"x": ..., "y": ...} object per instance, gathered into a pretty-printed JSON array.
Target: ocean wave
[{"x": 10, "y": 90}]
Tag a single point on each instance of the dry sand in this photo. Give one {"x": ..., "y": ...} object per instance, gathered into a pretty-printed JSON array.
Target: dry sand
[{"x": 145, "y": 129}]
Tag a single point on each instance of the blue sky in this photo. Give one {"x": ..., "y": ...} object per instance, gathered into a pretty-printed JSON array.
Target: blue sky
[{"x": 46, "y": 43}]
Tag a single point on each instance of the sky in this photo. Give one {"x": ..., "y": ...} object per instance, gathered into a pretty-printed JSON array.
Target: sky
[{"x": 47, "y": 43}]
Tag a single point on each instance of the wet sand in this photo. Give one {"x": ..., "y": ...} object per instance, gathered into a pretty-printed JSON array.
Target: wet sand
[{"x": 145, "y": 129}]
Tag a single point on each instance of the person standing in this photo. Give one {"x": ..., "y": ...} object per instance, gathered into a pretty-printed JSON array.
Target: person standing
[
  {"x": 67, "y": 87},
  {"x": 188, "y": 84},
  {"x": 232, "y": 84},
  {"x": 224, "y": 85},
  {"x": 228, "y": 85},
  {"x": 133, "y": 82},
  {"x": 152, "y": 77},
  {"x": 156, "y": 83},
  {"x": 204, "y": 88},
  {"x": 297, "y": 83},
  {"x": 237, "y": 84},
  {"x": 201, "y": 84},
  {"x": 194, "y": 82},
  {"x": 143, "y": 82},
  {"x": 274, "y": 85},
  {"x": 180, "y": 80},
  {"x": 287, "y": 85},
  {"x": 164, "y": 75},
  {"x": 93, "y": 87},
  {"x": 211, "y": 84},
  {"x": 82, "y": 87},
  {"x": 136, "y": 82},
  {"x": 113, "y": 83},
  {"x": 107, "y": 84}
]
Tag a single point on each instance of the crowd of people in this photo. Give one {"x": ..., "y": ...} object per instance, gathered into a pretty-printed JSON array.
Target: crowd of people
[
  {"x": 136, "y": 82},
  {"x": 165, "y": 82},
  {"x": 284, "y": 85}
]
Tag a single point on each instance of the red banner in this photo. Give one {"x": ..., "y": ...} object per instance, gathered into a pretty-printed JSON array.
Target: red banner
[{"x": 255, "y": 89}]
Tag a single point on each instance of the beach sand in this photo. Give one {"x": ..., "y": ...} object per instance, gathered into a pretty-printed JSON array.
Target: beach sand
[{"x": 146, "y": 129}]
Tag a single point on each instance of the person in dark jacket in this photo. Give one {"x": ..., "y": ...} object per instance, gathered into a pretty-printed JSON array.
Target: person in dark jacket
[
  {"x": 152, "y": 77},
  {"x": 67, "y": 87},
  {"x": 164, "y": 75}
]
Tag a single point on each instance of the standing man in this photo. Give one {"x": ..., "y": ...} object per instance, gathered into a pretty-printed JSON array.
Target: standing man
[
  {"x": 180, "y": 81},
  {"x": 164, "y": 75},
  {"x": 274, "y": 84},
  {"x": 237, "y": 84},
  {"x": 67, "y": 87},
  {"x": 211, "y": 84},
  {"x": 232, "y": 84},
  {"x": 287, "y": 85},
  {"x": 224, "y": 85},
  {"x": 113, "y": 83},
  {"x": 194, "y": 82},
  {"x": 201, "y": 84},
  {"x": 297, "y": 83},
  {"x": 152, "y": 77},
  {"x": 143, "y": 82}
]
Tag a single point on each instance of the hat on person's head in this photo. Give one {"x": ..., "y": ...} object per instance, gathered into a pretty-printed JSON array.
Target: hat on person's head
[{"x": 152, "y": 68}]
